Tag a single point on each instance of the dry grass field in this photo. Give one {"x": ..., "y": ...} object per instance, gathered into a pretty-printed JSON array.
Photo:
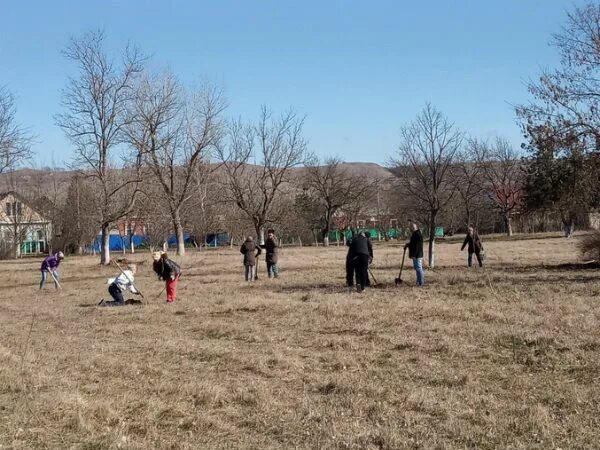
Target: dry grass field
[{"x": 504, "y": 357}]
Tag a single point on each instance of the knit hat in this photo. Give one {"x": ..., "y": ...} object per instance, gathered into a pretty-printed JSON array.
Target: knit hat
[{"x": 60, "y": 255}]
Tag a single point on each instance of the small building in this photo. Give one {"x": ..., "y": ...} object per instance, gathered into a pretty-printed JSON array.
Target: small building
[{"x": 22, "y": 229}]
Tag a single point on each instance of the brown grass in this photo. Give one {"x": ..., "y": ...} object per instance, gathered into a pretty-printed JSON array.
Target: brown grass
[{"x": 503, "y": 357}]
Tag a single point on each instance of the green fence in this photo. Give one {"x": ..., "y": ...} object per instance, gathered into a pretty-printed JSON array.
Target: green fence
[{"x": 390, "y": 233}]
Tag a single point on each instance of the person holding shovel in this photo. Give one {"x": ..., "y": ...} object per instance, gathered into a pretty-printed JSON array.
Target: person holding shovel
[
  {"x": 116, "y": 286},
  {"x": 169, "y": 271},
  {"x": 415, "y": 252},
  {"x": 360, "y": 254},
  {"x": 474, "y": 245},
  {"x": 50, "y": 266}
]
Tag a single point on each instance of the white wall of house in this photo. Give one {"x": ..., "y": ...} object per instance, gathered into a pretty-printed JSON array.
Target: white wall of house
[{"x": 20, "y": 222}]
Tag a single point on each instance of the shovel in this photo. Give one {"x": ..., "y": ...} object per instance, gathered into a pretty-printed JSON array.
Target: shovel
[
  {"x": 375, "y": 283},
  {"x": 398, "y": 280},
  {"x": 55, "y": 280}
]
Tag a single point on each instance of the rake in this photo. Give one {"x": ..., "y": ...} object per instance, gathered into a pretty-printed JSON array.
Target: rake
[{"x": 126, "y": 276}]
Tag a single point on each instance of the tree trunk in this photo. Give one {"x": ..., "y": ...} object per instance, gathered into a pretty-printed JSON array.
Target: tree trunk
[
  {"x": 326, "y": 240},
  {"x": 432, "y": 218},
  {"x": 508, "y": 225},
  {"x": 105, "y": 245},
  {"x": 179, "y": 233}
]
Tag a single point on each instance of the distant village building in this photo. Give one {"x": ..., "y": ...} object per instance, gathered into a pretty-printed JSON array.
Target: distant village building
[{"x": 22, "y": 229}]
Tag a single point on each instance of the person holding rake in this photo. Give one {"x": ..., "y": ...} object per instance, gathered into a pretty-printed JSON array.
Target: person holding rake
[
  {"x": 50, "y": 266},
  {"x": 169, "y": 271},
  {"x": 116, "y": 286}
]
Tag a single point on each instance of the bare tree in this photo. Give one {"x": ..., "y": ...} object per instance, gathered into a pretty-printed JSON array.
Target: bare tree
[
  {"x": 426, "y": 152},
  {"x": 175, "y": 135},
  {"x": 467, "y": 180},
  {"x": 15, "y": 141},
  {"x": 79, "y": 221},
  {"x": 254, "y": 187},
  {"x": 333, "y": 188},
  {"x": 502, "y": 170},
  {"x": 96, "y": 112},
  {"x": 568, "y": 99}
]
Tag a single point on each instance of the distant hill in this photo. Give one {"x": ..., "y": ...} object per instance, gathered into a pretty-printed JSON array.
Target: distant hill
[{"x": 33, "y": 181}]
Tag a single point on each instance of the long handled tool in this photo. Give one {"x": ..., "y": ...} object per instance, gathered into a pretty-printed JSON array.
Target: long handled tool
[
  {"x": 398, "y": 280},
  {"x": 135, "y": 287},
  {"x": 373, "y": 276},
  {"x": 55, "y": 279},
  {"x": 160, "y": 293},
  {"x": 257, "y": 260}
]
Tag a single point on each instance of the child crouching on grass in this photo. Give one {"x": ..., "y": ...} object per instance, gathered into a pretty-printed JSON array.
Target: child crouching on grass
[
  {"x": 116, "y": 287},
  {"x": 169, "y": 271}
]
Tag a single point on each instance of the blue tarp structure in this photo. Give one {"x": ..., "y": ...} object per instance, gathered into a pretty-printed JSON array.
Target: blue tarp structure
[
  {"x": 118, "y": 243},
  {"x": 215, "y": 240},
  {"x": 173, "y": 239}
]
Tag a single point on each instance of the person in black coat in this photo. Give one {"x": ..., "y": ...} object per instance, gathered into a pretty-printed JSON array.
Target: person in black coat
[
  {"x": 474, "y": 245},
  {"x": 349, "y": 262},
  {"x": 361, "y": 252},
  {"x": 271, "y": 248},
  {"x": 415, "y": 252}
]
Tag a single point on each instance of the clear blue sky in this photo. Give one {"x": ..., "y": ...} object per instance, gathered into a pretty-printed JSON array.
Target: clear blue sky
[{"x": 358, "y": 70}]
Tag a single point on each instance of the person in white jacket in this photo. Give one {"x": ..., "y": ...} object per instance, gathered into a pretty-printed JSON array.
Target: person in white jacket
[{"x": 116, "y": 286}]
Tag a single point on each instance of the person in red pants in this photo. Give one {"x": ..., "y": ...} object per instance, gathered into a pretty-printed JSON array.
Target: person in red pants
[{"x": 169, "y": 271}]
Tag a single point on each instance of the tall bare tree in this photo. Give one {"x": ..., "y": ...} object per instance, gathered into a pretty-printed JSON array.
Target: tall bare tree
[
  {"x": 504, "y": 177},
  {"x": 425, "y": 155},
  {"x": 15, "y": 141},
  {"x": 79, "y": 221},
  {"x": 467, "y": 179},
  {"x": 333, "y": 188},
  {"x": 254, "y": 187},
  {"x": 97, "y": 110},
  {"x": 562, "y": 122},
  {"x": 567, "y": 99},
  {"x": 176, "y": 135}
]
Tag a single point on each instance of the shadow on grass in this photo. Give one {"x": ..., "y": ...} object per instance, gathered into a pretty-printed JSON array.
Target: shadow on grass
[{"x": 565, "y": 267}]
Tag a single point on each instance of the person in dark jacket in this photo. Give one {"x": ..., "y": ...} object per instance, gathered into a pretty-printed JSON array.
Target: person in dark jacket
[
  {"x": 415, "y": 252},
  {"x": 474, "y": 245},
  {"x": 360, "y": 253},
  {"x": 368, "y": 236},
  {"x": 169, "y": 271},
  {"x": 272, "y": 254},
  {"x": 50, "y": 265},
  {"x": 248, "y": 249},
  {"x": 349, "y": 262}
]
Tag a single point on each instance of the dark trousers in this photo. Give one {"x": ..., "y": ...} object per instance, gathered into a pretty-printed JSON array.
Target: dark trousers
[
  {"x": 116, "y": 293},
  {"x": 349, "y": 272},
  {"x": 361, "y": 265},
  {"x": 470, "y": 259}
]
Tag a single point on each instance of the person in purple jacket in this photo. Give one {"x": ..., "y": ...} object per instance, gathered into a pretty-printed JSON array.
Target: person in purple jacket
[{"x": 50, "y": 264}]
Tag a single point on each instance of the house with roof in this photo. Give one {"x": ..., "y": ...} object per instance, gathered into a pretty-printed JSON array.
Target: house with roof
[{"x": 23, "y": 230}]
